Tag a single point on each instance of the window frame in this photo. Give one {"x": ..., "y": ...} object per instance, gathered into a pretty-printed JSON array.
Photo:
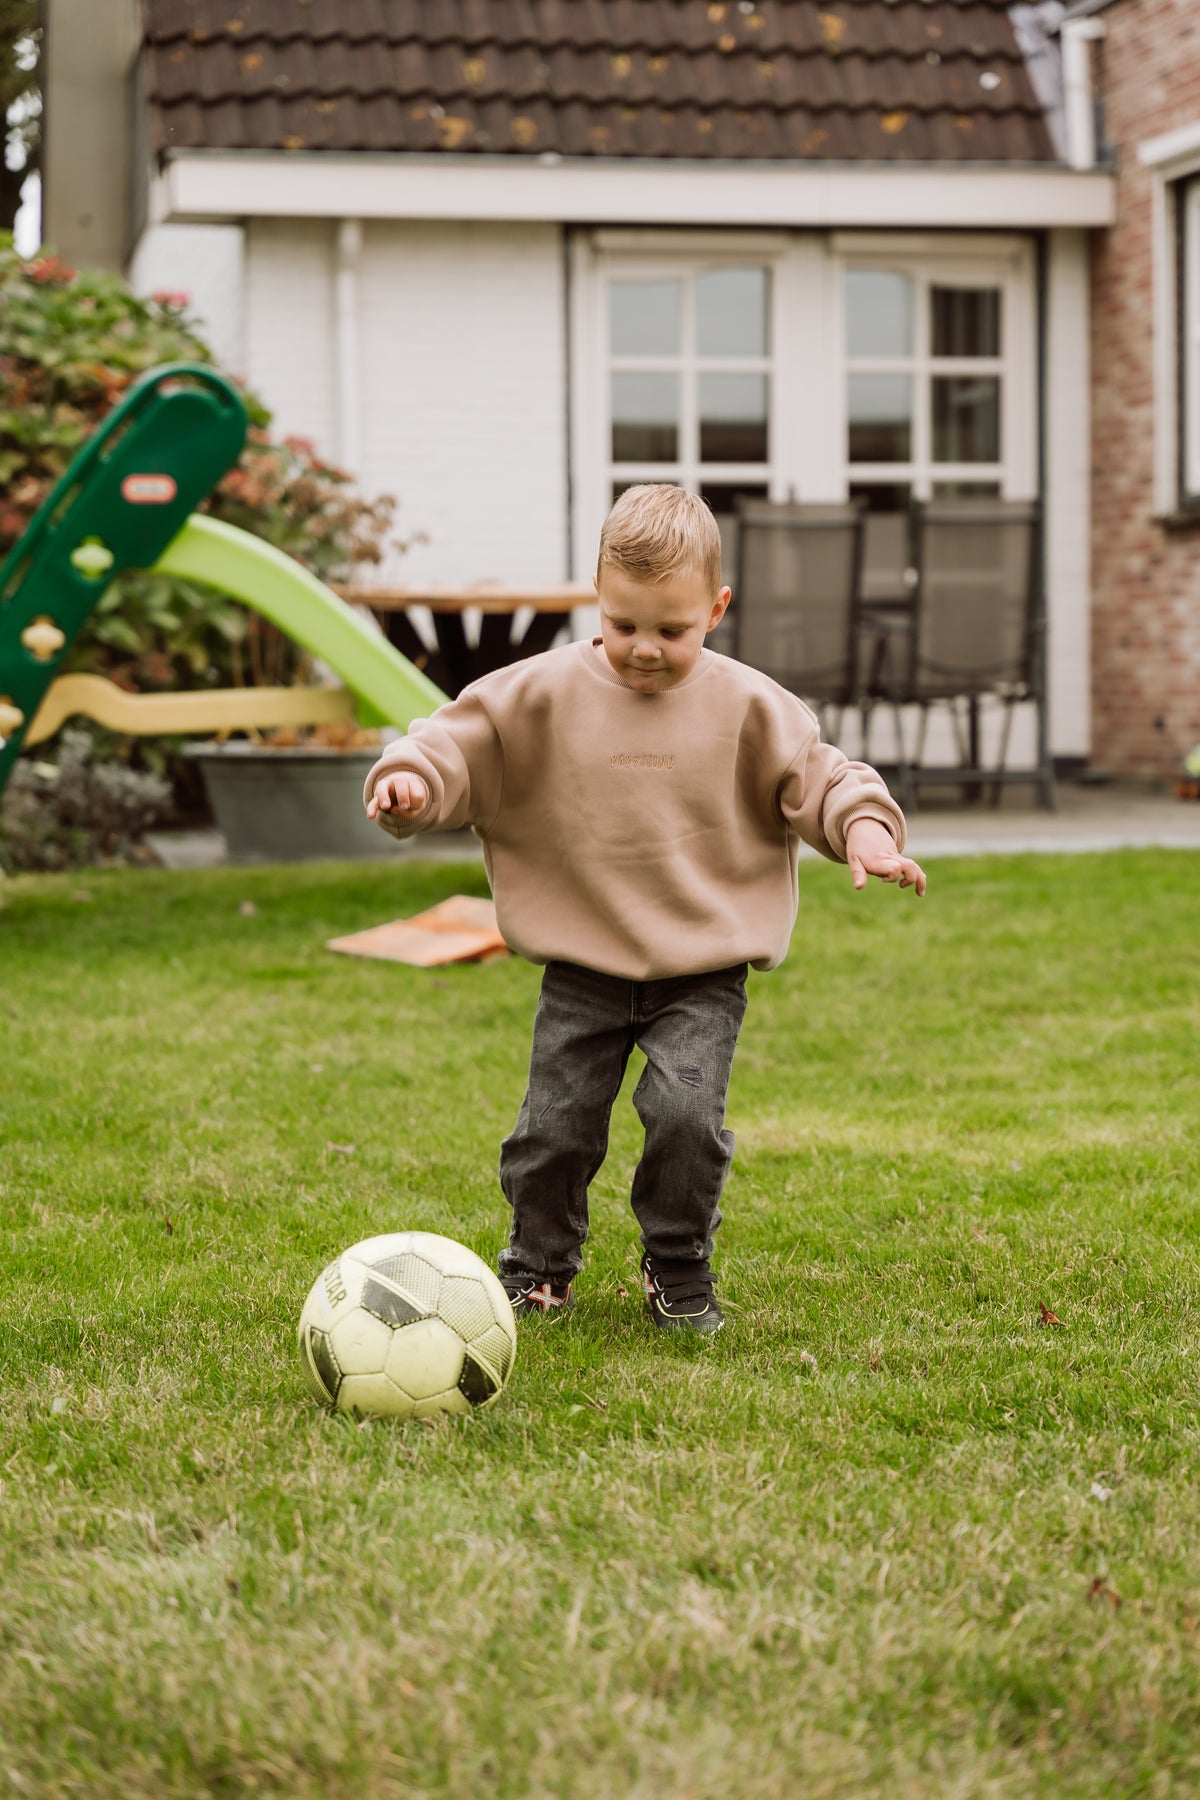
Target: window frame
[
  {"x": 1187, "y": 342},
  {"x": 1173, "y": 163},
  {"x": 1009, "y": 270},
  {"x": 687, "y": 467},
  {"x": 807, "y": 440}
]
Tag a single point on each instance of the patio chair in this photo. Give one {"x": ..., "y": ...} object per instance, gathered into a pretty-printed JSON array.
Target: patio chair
[
  {"x": 978, "y": 630},
  {"x": 796, "y": 603}
]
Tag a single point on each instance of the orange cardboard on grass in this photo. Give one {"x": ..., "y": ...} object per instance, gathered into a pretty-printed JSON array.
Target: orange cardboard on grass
[{"x": 461, "y": 929}]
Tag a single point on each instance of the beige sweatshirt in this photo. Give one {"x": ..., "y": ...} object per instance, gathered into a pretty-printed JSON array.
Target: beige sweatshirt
[{"x": 643, "y": 835}]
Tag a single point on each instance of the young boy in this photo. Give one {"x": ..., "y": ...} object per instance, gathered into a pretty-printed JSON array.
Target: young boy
[{"x": 641, "y": 801}]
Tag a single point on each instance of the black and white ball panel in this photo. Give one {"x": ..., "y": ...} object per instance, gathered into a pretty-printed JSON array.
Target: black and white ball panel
[{"x": 409, "y": 1324}]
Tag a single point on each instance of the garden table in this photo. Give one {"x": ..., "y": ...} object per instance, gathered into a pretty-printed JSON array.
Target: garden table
[{"x": 454, "y": 660}]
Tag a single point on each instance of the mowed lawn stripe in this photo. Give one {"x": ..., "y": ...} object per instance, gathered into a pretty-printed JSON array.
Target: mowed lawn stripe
[{"x": 895, "y": 1532}]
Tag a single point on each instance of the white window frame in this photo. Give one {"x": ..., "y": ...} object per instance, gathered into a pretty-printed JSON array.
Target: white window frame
[
  {"x": 1189, "y": 345},
  {"x": 807, "y": 441},
  {"x": 1008, "y": 268},
  {"x": 689, "y": 365},
  {"x": 1174, "y": 160}
]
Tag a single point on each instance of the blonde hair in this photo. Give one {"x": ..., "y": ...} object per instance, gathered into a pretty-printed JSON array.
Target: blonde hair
[{"x": 656, "y": 530}]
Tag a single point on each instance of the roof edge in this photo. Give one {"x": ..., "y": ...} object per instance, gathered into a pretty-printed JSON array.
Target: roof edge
[{"x": 199, "y": 185}]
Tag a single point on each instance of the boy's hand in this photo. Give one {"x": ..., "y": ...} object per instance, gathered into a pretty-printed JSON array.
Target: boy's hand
[
  {"x": 871, "y": 850},
  {"x": 402, "y": 793}
]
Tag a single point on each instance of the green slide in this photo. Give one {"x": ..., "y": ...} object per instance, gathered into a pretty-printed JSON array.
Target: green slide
[{"x": 127, "y": 502}]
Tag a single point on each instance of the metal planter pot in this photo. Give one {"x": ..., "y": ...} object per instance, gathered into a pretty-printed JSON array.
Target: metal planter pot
[{"x": 291, "y": 805}]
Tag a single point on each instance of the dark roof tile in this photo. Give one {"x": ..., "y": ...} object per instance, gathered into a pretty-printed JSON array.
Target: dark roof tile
[{"x": 701, "y": 79}]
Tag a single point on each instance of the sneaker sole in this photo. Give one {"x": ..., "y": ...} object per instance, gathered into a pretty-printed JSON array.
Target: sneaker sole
[{"x": 702, "y": 1328}]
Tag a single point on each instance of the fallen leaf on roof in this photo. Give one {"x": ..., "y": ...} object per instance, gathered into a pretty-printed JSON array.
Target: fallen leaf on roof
[
  {"x": 474, "y": 69},
  {"x": 727, "y": 42},
  {"x": 621, "y": 63},
  {"x": 235, "y": 25},
  {"x": 252, "y": 59},
  {"x": 833, "y": 29},
  {"x": 453, "y": 130},
  {"x": 294, "y": 143},
  {"x": 524, "y": 131},
  {"x": 716, "y": 12},
  {"x": 893, "y": 122}
]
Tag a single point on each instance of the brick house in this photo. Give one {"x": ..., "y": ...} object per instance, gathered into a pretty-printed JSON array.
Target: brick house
[
  {"x": 1145, "y": 303},
  {"x": 503, "y": 258}
]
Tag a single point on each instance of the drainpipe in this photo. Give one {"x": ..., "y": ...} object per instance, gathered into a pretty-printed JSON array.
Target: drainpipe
[
  {"x": 1078, "y": 36},
  {"x": 346, "y": 311}
]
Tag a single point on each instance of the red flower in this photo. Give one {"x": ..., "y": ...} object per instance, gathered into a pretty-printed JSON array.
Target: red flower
[{"x": 47, "y": 270}]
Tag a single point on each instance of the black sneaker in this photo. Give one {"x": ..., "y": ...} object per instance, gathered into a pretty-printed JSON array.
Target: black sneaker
[
  {"x": 680, "y": 1295},
  {"x": 533, "y": 1295}
]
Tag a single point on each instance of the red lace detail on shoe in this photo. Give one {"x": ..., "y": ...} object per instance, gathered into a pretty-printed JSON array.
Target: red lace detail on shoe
[{"x": 545, "y": 1297}]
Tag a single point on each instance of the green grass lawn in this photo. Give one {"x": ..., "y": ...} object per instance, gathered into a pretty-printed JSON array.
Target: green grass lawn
[{"x": 890, "y": 1534}]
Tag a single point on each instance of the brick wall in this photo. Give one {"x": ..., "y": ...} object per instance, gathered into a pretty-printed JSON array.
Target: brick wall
[{"x": 1146, "y": 578}]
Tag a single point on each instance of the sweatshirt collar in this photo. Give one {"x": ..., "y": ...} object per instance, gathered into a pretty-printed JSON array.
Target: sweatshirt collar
[{"x": 598, "y": 662}]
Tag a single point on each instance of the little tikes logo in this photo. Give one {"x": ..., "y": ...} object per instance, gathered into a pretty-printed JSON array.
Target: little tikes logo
[
  {"x": 623, "y": 759},
  {"x": 148, "y": 490}
]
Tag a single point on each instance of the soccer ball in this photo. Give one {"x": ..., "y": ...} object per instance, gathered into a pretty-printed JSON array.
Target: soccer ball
[{"x": 407, "y": 1325}]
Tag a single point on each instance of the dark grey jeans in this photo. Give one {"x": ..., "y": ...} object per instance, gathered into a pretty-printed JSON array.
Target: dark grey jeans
[{"x": 586, "y": 1028}]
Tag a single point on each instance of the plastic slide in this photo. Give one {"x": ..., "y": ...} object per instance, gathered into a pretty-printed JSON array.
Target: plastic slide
[{"x": 127, "y": 502}]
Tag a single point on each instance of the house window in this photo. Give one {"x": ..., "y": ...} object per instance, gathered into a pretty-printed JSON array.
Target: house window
[
  {"x": 802, "y": 365},
  {"x": 689, "y": 382},
  {"x": 924, "y": 395},
  {"x": 1189, "y": 343}
]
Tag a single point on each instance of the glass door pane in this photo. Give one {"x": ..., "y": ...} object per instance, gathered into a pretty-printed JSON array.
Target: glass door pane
[
  {"x": 645, "y": 318},
  {"x": 645, "y": 416},
  {"x": 966, "y": 418},
  {"x": 880, "y": 418},
  {"x": 964, "y": 321},
  {"x": 879, "y": 313},
  {"x": 731, "y": 312},
  {"x": 733, "y": 418}
]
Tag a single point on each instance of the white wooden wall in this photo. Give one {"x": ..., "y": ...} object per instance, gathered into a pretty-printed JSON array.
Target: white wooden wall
[
  {"x": 207, "y": 263},
  {"x": 465, "y": 395},
  {"x": 460, "y": 374}
]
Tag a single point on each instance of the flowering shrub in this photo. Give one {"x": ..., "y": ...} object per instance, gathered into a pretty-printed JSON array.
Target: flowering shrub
[{"x": 71, "y": 343}]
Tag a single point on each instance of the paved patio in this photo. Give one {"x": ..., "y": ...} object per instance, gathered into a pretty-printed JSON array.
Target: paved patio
[{"x": 1090, "y": 816}]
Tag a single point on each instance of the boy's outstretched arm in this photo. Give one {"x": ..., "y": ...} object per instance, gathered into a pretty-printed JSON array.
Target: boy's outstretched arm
[{"x": 871, "y": 850}]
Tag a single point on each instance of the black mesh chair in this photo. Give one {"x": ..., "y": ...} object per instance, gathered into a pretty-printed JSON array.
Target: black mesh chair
[
  {"x": 796, "y": 603},
  {"x": 978, "y": 630}
]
